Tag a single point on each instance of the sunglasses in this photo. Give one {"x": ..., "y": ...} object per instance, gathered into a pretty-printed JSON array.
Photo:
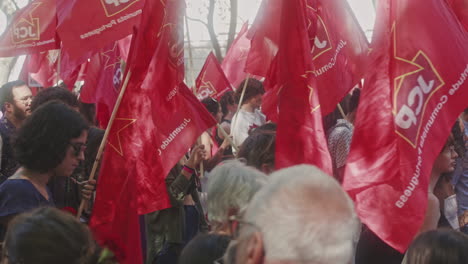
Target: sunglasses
[{"x": 77, "y": 148}]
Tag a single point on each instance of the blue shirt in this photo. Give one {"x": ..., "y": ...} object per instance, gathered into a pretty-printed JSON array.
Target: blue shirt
[{"x": 18, "y": 196}]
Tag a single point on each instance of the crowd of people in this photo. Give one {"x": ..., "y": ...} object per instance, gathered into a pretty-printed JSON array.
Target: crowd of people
[{"x": 242, "y": 211}]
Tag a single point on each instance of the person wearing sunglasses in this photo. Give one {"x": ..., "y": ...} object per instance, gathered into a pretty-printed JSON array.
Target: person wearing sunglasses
[{"x": 50, "y": 143}]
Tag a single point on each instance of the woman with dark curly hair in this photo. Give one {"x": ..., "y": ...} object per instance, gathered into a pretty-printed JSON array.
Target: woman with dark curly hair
[{"x": 50, "y": 143}]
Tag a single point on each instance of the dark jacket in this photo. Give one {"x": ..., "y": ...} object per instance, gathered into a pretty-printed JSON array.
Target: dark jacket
[{"x": 167, "y": 226}]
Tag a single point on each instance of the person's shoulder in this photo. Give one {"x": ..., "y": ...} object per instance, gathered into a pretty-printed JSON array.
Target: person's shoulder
[{"x": 16, "y": 186}]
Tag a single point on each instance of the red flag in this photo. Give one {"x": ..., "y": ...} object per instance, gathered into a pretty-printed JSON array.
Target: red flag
[
  {"x": 234, "y": 63},
  {"x": 106, "y": 22},
  {"x": 32, "y": 30},
  {"x": 411, "y": 98},
  {"x": 460, "y": 7},
  {"x": 157, "y": 122},
  {"x": 102, "y": 83},
  {"x": 211, "y": 82},
  {"x": 339, "y": 50},
  {"x": 264, "y": 37},
  {"x": 298, "y": 117},
  {"x": 42, "y": 67}
]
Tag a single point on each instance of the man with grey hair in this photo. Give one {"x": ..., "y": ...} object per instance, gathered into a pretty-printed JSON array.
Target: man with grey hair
[
  {"x": 231, "y": 186},
  {"x": 301, "y": 216}
]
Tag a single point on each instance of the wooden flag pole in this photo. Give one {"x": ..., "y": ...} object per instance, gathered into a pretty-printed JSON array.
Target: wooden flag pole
[
  {"x": 341, "y": 111},
  {"x": 239, "y": 107},
  {"x": 226, "y": 136},
  {"x": 58, "y": 66},
  {"x": 104, "y": 139}
]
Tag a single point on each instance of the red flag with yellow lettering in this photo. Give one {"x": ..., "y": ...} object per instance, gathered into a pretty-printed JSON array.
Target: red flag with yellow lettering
[
  {"x": 31, "y": 30},
  {"x": 410, "y": 100},
  {"x": 106, "y": 22},
  {"x": 300, "y": 135},
  {"x": 156, "y": 123},
  {"x": 211, "y": 82}
]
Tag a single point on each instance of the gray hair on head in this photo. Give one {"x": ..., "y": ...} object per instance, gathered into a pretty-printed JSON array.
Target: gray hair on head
[
  {"x": 231, "y": 186},
  {"x": 305, "y": 216}
]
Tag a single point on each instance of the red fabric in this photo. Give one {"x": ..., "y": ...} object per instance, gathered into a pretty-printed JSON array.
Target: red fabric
[
  {"x": 272, "y": 88},
  {"x": 300, "y": 135},
  {"x": 211, "y": 82},
  {"x": 460, "y": 7},
  {"x": 413, "y": 71},
  {"x": 102, "y": 83},
  {"x": 42, "y": 67},
  {"x": 339, "y": 50},
  {"x": 32, "y": 30},
  {"x": 157, "y": 122},
  {"x": 234, "y": 62},
  {"x": 106, "y": 22},
  {"x": 264, "y": 37}
]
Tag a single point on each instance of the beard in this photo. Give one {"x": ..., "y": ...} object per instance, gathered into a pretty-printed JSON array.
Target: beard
[{"x": 18, "y": 113}]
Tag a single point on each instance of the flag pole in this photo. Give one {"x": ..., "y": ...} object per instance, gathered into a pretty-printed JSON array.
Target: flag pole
[
  {"x": 341, "y": 110},
  {"x": 239, "y": 106},
  {"x": 58, "y": 65},
  {"x": 104, "y": 139},
  {"x": 226, "y": 136}
]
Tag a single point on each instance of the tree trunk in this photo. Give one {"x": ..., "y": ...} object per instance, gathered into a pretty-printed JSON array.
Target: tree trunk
[
  {"x": 211, "y": 31},
  {"x": 232, "y": 23}
]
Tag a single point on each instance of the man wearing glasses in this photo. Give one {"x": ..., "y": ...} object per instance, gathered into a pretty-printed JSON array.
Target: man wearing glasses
[{"x": 15, "y": 100}]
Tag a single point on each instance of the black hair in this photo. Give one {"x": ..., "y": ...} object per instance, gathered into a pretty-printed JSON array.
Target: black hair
[
  {"x": 254, "y": 88},
  {"x": 54, "y": 93},
  {"x": 211, "y": 105},
  {"x": 42, "y": 141},
  {"x": 438, "y": 247},
  {"x": 259, "y": 147},
  {"x": 354, "y": 101},
  {"x": 204, "y": 249},
  {"x": 228, "y": 98},
  {"x": 6, "y": 92},
  {"x": 47, "y": 235}
]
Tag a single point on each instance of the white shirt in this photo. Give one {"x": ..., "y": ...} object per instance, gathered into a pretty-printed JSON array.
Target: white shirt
[{"x": 242, "y": 122}]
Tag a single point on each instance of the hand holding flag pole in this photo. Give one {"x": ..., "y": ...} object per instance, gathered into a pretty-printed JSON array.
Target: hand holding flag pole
[
  {"x": 104, "y": 139},
  {"x": 227, "y": 137}
]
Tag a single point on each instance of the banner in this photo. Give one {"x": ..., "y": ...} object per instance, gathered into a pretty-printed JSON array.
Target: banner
[
  {"x": 157, "y": 122},
  {"x": 106, "y": 22},
  {"x": 31, "y": 30},
  {"x": 211, "y": 82},
  {"x": 298, "y": 117},
  {"x": 410, "y": 100}
]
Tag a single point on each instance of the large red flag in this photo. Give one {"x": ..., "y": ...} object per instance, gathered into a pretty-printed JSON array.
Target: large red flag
[
  {"x": 338, "y": 47},
  {"x": 211, "y": 82},
  {"x": 102, "y": 83},
  {"x": 106, "y": 22},
  {"x": 264, "y": 37},
  {"x": 300, "y": 136},
  {"x": 411, "y": 98},
  {"x": 460, "y": 7},
  {"x": 32, "y": 30},
  {"x": 339, "y": 50},
  {"x": 234, "y": 62},
  {"x": 157, "y": 122}
]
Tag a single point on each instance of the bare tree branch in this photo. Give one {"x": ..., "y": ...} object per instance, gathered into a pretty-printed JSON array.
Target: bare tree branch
[
  {"x": 211, "y": 31},
  {"x": 232, "y": 23},
  {"x": 198, "y": 20}
]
